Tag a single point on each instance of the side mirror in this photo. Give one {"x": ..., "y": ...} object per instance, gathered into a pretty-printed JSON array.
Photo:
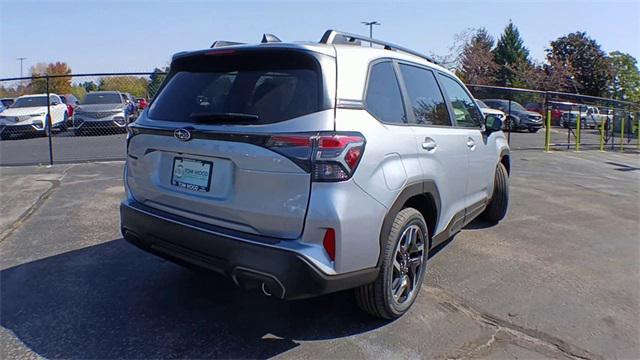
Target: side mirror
[{"x": 492, "y": 123}]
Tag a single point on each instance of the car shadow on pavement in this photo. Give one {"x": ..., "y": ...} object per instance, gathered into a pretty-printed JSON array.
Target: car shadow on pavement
[{"x": 115, "y": 301}]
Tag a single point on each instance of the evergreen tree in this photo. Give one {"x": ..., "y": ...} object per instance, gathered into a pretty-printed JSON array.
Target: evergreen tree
[{"x": 510, "y": 54}]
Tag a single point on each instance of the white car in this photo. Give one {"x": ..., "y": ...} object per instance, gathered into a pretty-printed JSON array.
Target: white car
[
  {"x": 486, "y": 110},
  {"x": 28, "y": 115}
]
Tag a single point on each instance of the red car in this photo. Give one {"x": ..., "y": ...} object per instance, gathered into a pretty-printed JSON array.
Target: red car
[{"x": 142, "y": 103}]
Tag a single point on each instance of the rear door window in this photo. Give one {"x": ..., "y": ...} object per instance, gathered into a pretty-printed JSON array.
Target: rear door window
[
  {"x": 427, "y": 102},
  {"x": 262, "y": 88},
  {"x": 384, "y": 100}
]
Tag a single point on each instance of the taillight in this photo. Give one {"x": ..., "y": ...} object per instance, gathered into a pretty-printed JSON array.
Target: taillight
[
  {"x": 336, "y": 157},
  {"x": 328, "y": 157}
]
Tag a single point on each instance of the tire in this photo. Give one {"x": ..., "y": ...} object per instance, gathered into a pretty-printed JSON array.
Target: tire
[
  {"x": 377, "y": 298},
  {"x": 63, "y": 125},
  {"x": 499, "y": 203}
]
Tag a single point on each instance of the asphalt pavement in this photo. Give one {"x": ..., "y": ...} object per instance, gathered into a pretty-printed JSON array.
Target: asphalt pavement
[{"x": 559, "y": 278}]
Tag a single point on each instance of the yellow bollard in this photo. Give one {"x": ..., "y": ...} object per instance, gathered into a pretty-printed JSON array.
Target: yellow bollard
[
  {"x": 547, "y": 132},
  {"x": 578, "y": 126},
  {"x": 622, "y": 123},
  {"x": 602, "y": 122},
  {"x": 638, "y": 131}
]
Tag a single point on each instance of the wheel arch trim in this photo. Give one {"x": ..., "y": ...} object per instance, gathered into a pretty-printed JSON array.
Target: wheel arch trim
[{"x": 426, "y": 187}]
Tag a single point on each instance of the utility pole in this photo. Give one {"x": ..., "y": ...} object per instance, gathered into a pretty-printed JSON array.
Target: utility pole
[
  {"x": 21, "y": 59},
  {"x": 370, "y": 25}
]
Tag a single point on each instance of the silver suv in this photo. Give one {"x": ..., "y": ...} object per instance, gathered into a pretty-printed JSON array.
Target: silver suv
[{"x": 301, "y": 169}]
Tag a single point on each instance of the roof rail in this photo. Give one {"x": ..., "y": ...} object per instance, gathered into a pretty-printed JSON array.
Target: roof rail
[
  {"x": 223, "y": 43},
  {"x": 341, "y": 37}
]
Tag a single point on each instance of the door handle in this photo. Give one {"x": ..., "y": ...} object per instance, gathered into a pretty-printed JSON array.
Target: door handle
[
  {"x": 470, "y": 143},
  {"x": 429, "y": 144}
]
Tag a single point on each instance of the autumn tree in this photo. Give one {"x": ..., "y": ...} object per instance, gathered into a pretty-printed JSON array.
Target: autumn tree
[
  {"x": 588, "y": 63},
  {"x": 510, "y": 54},
  {"x": 57, "y": 84},
  {"x": 477, "y": 65},
  {"x": 136, "y": 86}
]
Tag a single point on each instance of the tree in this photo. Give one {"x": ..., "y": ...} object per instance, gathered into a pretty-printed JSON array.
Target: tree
[
  {"x": 79, "y": 92},
  {"x": 135, "y": 86},
  {"x": 58, "y": 85},
  {"x": 156, "y": 79},
  {"x": 477, "y": 65},
  {"x": 510, "y": 54},
  {"x": 588, "y": 63},
  {"x": 625, "y": 77},
  {"x": 89, "y": 86}
]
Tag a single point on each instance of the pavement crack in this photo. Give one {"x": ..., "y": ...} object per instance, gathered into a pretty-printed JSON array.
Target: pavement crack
[
  {"x": 15, "y": 225},
  {"x": 506, "y": 331}
]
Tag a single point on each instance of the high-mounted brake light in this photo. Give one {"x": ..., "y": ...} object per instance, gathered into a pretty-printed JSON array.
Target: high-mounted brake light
[
  {"x": 330, "y": 157},
  {"x": 219, "y": 52}
]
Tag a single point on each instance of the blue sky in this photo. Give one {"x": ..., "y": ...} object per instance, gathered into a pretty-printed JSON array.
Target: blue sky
[{"x": 110, "y": 36}]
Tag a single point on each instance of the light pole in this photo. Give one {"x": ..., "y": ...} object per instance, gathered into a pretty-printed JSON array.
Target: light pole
[
  {"x": 370, "y": 25},
  {"x": 21, "y": 59}
]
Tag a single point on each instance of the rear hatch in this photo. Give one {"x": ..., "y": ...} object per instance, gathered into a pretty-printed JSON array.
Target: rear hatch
[{"x": 225, "y": 141}]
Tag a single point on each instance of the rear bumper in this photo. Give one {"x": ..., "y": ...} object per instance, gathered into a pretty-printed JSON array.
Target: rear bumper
[{"x": 252, "y": 263}]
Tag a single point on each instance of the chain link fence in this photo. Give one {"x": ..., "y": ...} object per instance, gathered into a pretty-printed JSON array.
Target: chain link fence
[
  {"x": 83, "y": 117},
  {"x": 73, "y": 118},
  {"x": 549, "y": 120}
]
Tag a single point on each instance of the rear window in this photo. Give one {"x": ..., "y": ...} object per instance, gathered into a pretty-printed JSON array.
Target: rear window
[
  {"x": 258, "y": 87},
  {"x": 102, "y": 98},
  {"x": 31, "y": 101}
]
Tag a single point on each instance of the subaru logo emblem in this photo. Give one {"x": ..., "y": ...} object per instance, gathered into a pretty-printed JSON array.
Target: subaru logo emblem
[{"x": 182, "y": 134}]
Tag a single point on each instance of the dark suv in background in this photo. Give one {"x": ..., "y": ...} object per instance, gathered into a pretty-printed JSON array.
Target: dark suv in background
[{"x": 518, "y": 117}]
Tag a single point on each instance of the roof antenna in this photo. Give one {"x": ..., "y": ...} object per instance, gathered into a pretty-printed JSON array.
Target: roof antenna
[{"x": 270, "y": 38}]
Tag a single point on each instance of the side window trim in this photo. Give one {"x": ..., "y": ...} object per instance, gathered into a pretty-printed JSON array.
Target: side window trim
[
  {"x": 400, "y": 88},
  {"x": 450, "y": 106},
  {"x": 407, "y": 100}
]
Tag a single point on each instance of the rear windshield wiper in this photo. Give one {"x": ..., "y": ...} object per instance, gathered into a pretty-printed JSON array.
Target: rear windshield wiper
[{"x": 221, "y": 117}]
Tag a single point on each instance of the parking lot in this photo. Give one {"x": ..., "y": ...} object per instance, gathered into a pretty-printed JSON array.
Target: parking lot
[
  {"x": 69, "y": 148},
  {"x": 557, "y": 279}
]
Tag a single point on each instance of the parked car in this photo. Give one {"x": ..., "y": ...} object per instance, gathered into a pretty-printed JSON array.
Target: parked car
[
  {"x": 7, "y": 102},
  {"x": 535, "y": 107},
  {"x": 486, "y": 110},
  {"x": 557, "y": 109},
  {"x": 589, "y": 117},
  {"x": 132, "y": 107},
  {"x": 101, "y": 112},
  {"x": 28, "y": 116},
  {"x": 519, "y": 118},
  {"x": 298, "y": 187},
  {"x": 71, "y": 102},
  {"x": 142, "y": 103}
]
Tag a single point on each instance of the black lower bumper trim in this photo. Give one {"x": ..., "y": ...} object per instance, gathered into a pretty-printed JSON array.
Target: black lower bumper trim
[{"x": 282, "y": 273}]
